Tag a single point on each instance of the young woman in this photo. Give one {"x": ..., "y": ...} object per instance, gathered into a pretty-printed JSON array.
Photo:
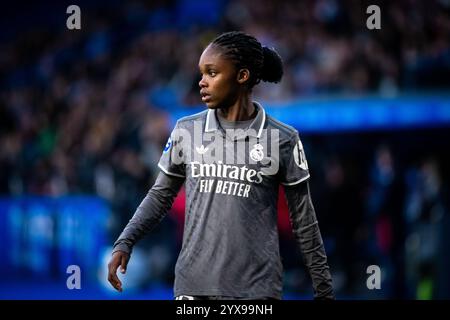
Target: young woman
[{"x": 230, "y": 244}]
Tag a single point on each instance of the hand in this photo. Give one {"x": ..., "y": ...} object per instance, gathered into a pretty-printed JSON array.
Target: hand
[{"x": 119, "y": 258}]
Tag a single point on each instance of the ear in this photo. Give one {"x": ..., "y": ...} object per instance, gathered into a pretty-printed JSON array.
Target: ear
[{"x": 243, "y": 75}]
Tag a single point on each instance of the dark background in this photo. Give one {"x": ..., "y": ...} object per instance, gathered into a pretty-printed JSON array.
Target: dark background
[{"x": 84, "y": 115}]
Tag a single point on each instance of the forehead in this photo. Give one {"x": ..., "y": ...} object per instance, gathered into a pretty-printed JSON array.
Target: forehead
[{"x": 213, "y": 56}]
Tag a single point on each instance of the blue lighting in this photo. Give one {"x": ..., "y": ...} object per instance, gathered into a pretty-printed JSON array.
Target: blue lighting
[{"x": 356, "y": 114}]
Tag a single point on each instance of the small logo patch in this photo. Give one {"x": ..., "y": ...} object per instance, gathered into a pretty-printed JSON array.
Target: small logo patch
[
  {"x": 257, "y": 153},
  {"x": 168, "y": 145},
  {"x": 299, "y": 156},
  {"x": 201, "y": 149}
]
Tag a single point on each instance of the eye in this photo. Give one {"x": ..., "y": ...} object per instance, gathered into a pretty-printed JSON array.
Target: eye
[{"x": 212, "y": 73}]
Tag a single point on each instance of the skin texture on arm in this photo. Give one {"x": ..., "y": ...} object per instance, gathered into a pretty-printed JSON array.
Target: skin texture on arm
[
  {"x": 307, "y": 234},
  {"x": 150, "y": 212}
]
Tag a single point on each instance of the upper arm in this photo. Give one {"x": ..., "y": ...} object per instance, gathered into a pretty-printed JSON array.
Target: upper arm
[
  {"x": 168, "y": 182},
  {"x": 294, "y": 166},
  {"x": 172, "y": 161}
]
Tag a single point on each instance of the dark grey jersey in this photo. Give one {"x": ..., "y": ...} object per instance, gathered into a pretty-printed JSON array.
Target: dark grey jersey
[{"x": 230, "y": 243}]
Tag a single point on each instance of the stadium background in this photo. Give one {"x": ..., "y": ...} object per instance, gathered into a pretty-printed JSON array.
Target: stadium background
[{"x": 84, "y": 115}]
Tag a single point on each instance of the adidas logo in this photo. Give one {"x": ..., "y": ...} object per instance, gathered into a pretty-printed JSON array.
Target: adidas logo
[{"x": 201, "y": 150}]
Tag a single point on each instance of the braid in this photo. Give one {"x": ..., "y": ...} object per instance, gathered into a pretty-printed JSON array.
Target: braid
[{"x": 245, "y": 51}]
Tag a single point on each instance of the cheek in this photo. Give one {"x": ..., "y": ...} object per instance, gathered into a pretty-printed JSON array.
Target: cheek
[{"x": 225, "y": 86}]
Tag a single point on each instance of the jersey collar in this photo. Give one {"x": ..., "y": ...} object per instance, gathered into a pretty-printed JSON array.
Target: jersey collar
[{"x": 212, "y": 123}]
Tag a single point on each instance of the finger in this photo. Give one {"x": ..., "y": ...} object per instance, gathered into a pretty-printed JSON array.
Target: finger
[
  {"x": 115, "y": 282},
  {"x": 124, "y": 263},
  {"x": 112, "y": 275}
]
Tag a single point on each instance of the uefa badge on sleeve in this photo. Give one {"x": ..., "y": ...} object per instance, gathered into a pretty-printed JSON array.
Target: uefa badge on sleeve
[
  {"x": 168, "y": 145},
  {"x": 299, "y": 156}
]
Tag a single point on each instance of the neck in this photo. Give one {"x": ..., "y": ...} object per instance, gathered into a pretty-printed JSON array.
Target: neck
[{"x": 243, "y": 109}]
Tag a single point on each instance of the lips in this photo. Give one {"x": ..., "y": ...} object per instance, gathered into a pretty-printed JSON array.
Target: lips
[{"x": 205, "y": 96}]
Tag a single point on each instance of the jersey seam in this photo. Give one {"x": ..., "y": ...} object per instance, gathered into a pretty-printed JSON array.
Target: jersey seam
[
  {"x": 295, "y": 182},
  {"x": 170, "y": 173}
]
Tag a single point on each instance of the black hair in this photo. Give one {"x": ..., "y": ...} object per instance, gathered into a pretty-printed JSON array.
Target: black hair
[{"x": 247, "y": 52}]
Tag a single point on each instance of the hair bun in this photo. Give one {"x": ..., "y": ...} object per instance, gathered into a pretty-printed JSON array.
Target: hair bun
[{"x": 272, "y": 70}]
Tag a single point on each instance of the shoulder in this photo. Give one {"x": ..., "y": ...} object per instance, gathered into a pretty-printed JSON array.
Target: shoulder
[
  {"x": 287, "y": 132},
  {"x": 187, "y": 122}
]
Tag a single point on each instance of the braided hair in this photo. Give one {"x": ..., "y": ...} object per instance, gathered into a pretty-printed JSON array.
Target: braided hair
[{"x": 247, "y": 52}]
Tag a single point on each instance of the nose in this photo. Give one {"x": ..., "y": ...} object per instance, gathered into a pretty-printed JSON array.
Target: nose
[{"x": 202, "y": 83}]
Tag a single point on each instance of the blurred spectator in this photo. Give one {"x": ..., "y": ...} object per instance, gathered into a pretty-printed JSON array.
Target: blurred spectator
[
  {"x": 427, "y": 219},
  {"x": 383, "y": 220}
]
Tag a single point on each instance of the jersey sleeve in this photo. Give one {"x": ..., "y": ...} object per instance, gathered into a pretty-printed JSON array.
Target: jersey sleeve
[
  {"x": 172, "y": 159},
  {"x": 294, "y": 166}
]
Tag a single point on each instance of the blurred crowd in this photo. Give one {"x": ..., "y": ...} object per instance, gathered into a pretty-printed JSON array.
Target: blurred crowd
[
  {"x": 385, "y": 203},
  {"x": 88, "y": 111}
]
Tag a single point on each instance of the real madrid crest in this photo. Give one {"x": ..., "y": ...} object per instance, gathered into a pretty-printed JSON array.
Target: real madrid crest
[{"x": 257, "y": 154}]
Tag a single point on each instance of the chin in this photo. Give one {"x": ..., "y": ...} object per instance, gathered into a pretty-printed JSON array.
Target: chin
[
  {"x": 212, "y": 106},
  {"x": 215, "y": 105}
]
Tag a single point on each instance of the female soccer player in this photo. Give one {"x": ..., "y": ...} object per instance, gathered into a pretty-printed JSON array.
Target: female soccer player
[{"x": 232, "y": 158}]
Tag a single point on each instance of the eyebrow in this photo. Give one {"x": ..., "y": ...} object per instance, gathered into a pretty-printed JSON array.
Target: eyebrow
[{"x": 207, "y": 65}]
